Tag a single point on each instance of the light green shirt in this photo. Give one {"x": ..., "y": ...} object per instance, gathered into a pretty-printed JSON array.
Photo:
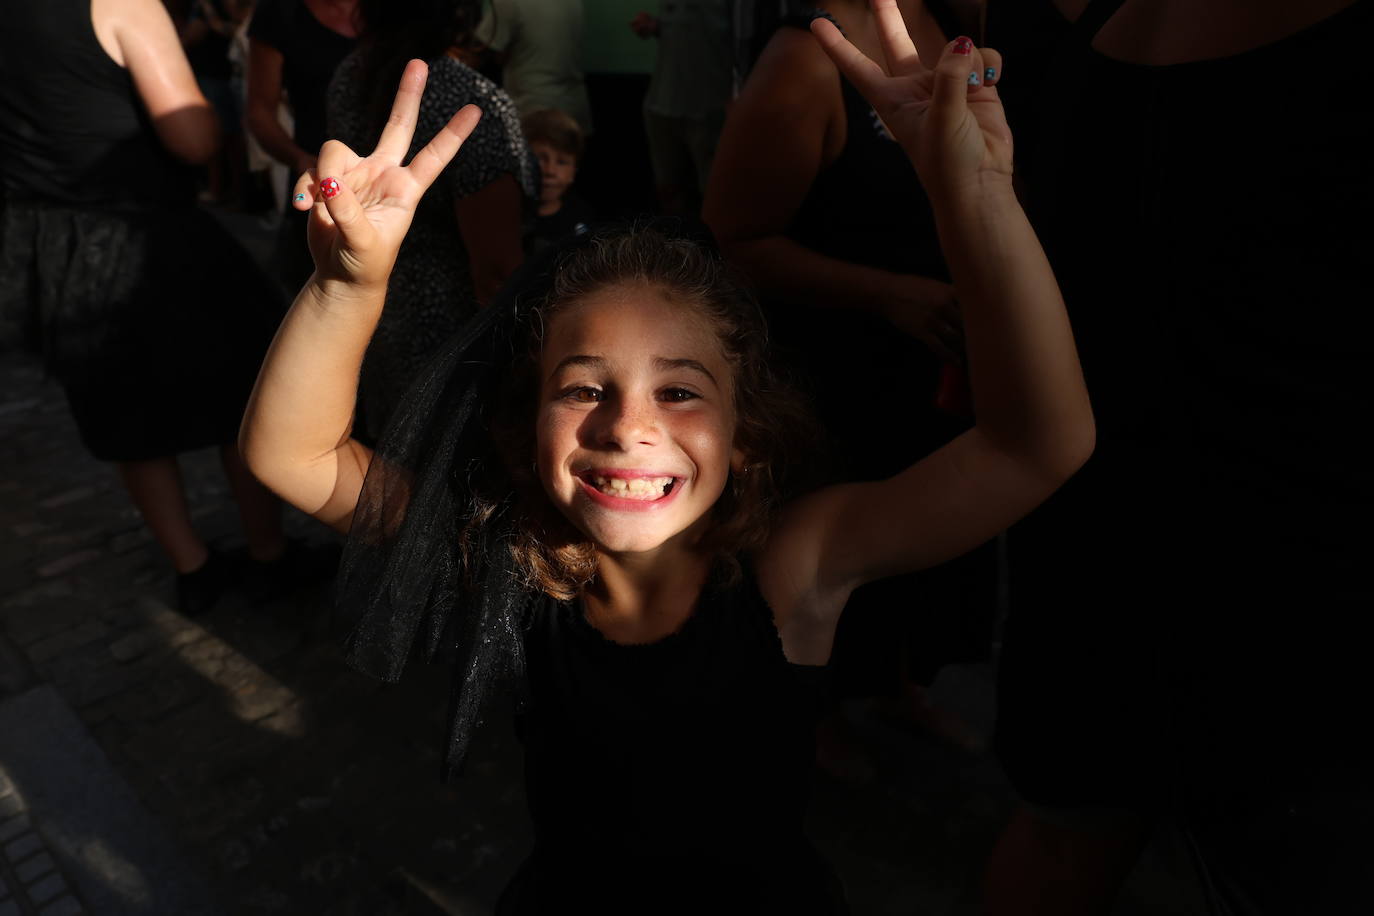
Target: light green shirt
[
  {"x": 694, "y": 74},
  {"x": 543, "y": 39}
]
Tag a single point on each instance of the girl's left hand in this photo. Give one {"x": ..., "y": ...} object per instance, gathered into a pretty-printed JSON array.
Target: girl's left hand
[{"x": 947, "y": 118}]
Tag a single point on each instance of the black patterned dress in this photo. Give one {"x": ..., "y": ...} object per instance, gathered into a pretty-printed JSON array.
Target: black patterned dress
[
  {"x": 151, "y": 316},
  {"x": 430, "y": 294}
]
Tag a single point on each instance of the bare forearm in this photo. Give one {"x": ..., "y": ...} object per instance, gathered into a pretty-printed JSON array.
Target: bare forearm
[
  {"x": 781, "y": 267},
  {"x": 1028, "y": 389},
  {"x": 265, "y": 68},
  {"x": 297, "y": 425},
  {"x": 275, "y": 141},
  {"x": 192, "y": 134}
]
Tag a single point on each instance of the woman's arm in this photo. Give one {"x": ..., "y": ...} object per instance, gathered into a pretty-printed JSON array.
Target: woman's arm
[
  {"x": 140, "y": 36},
  {"x": 1034, "y": 424},
  {"x": 264, "y": 98},
  {"x": 779, "y": 134},
  {"x": 489, "y": 221},
  {"x": 296, "y": 431}
]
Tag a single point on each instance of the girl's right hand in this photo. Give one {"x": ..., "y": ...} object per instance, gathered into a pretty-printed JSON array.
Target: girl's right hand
[{"x": 362, "y": 207}]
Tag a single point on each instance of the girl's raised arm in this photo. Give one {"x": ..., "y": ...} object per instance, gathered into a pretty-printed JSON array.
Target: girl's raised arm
[
  {"x": 295, "y": 434},
  {"x": 1034, "y": 423}
]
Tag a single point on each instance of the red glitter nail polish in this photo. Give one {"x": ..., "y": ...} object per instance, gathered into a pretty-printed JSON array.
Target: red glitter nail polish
[
  {"x": 329, "y": 188},
  {"x": 963, "y": 45}
]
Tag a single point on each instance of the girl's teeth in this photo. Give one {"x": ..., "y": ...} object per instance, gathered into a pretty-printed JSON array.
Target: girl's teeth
[{"x": 632, "y": 488}]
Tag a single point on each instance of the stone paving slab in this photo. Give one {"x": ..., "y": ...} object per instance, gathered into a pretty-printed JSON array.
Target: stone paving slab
[{"x": 88, "y": 838}]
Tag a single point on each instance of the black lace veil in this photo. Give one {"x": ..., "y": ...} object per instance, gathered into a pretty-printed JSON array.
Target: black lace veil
[{"x": 405, "y": 588}]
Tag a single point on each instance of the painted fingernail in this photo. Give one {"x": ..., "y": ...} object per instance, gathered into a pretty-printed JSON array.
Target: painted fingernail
[
  {"x": 989, "y": 74},
  {"x": 298, "y": 198},
  {"x": 973, "y": 80},
  {"x": 329, "y": 188},
  {"x": 963, "y": 45}
]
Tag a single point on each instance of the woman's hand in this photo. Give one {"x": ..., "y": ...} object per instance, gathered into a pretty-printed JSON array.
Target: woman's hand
[
  {"x": 928, "y": 311},
  {"x": 363, "y": 206},
  {"x": 948, "y": 118}
]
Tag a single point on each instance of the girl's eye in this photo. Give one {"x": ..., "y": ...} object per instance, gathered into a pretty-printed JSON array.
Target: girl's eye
[
  {"x": 678, "y": 395},
  {"x": 583, "y": 395}
]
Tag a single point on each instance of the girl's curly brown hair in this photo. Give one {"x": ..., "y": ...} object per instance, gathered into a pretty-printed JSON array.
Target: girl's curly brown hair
[{"x": 774, "y": 430}]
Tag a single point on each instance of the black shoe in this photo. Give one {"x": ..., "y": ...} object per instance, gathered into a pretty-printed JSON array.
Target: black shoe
[
  {"x": 299, "y": 566},
  {"x": 198, "y": 590}
]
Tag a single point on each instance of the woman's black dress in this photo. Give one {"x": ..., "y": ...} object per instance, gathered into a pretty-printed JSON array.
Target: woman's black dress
[
  {"x": 151, "y": 316},
  {"x": 1183, "y": 610},
  {"x": 670, "y": 777},
  {"x": 430, "y": 294}
]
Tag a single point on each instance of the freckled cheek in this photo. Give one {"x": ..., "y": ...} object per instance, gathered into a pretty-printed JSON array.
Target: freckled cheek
[
  {"x": 708, "y": 443},
  {"x": 554, "y": 439}
]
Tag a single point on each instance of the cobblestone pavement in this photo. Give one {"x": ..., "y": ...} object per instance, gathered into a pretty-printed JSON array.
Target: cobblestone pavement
[
  {"x": 30, "y": 879},
  {"x": 301, "y": 787}
]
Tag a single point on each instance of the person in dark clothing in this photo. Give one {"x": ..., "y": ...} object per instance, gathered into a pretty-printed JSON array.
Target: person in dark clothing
[
  {"x": 104, "y": 258},
  {"x": 465, "y": 240},
  {"x": 589, "y": 486},
  {"x": 294, "y": 48},
  {"x": 1177, "y": 655},
  {"x": 207, "y": 37}
]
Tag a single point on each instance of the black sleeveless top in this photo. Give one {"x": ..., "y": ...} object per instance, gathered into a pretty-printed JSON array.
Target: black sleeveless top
[
  {"x": 1207, "y": 222},
  {"x": 671, "y": 776},
  {"x": 72, "y": 130},
  {"x": 311, "y": 52}
]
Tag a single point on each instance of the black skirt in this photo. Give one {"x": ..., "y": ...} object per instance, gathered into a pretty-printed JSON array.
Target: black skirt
[{"x": 155, "y": 322}]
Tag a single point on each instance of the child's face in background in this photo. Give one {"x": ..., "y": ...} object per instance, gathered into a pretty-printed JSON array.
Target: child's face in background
[
  {"x": 557, "y": 168},
  {"x": 636, "y": 420}
]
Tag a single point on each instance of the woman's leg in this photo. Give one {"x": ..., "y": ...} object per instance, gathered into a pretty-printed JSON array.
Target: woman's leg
[
  {"x": 156, "y": 489},
  {"x": 259, "y": 508}
]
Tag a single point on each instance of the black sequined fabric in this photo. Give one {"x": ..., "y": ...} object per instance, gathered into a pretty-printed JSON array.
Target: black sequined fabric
[
  {"x": 403, "y": 588},
  {"x": 155, "y": 321}
]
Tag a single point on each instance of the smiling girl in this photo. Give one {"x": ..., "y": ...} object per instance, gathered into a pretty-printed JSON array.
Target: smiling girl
[{"x": 585, "y": 490}]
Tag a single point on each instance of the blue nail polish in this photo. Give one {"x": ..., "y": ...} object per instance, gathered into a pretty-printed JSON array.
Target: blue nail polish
[
  {"x": 973, "y": 80},
  {"x": 990, "y": 74},
  {"x": 299, "y": 197}
]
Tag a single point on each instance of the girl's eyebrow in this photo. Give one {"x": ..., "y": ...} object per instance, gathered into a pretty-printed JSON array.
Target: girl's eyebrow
[
  {"x": 578, "y": 359},
  {"x": 661, "y": 363}
]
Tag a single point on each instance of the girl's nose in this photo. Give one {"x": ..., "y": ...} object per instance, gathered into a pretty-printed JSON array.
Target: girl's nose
[{"x": 627, "y": 422}]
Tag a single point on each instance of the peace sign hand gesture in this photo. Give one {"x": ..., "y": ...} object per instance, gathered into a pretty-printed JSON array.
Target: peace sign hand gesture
[
  {"x": 947, "y": 118},
  {"x": 362, "y": 207}
]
